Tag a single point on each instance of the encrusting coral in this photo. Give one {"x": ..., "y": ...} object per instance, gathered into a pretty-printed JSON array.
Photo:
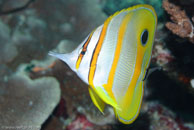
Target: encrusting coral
[
  {"x": 26, "y": 103},
  {"x": 162, "y": 118},
  {"x": 6, "y": 44},
  {"x": 161, "y": 55},
  {"x": 181, "y": 25}
]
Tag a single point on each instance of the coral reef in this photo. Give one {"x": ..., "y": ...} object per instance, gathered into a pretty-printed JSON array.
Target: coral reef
[
  {"x": 17, "y": 6},
  {"x": 27, "y": 28},
  {"x": 6, "y": 44},
  {"x": 181, "y": 25},
  {"x": 161, "y": 56},
  {"x": 80, "y": 123},
  {"x": 171, "y": 93},
  {"x": 180, "y": 66},
  {"x": 164, "y": 119},
  {"x": 26, "y": 103},
  {"x": 39, "y": 92}
]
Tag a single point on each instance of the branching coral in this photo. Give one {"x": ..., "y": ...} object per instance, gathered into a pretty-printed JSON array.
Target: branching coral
[{"x": 181, "y": 25}]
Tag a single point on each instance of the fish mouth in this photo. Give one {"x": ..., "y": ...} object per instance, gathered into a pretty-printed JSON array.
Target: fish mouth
[
  {"x": 145, "y": 67},
  {"x": 145, "y": 74}
]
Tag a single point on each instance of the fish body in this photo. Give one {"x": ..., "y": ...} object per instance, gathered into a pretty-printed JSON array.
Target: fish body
[{"x": 113, "y": 60}]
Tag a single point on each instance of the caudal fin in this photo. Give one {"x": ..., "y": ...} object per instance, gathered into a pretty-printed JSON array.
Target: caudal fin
[
  {"x": 68, "y": 58},
  {"x": 58, "y": 55}
]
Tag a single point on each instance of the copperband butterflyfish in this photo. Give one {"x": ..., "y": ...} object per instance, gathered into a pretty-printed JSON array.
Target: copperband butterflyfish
[{"x": 113, "y": 60}]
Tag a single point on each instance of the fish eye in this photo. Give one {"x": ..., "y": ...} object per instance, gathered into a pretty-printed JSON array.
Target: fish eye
[{"x": 144, "y": 37}]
